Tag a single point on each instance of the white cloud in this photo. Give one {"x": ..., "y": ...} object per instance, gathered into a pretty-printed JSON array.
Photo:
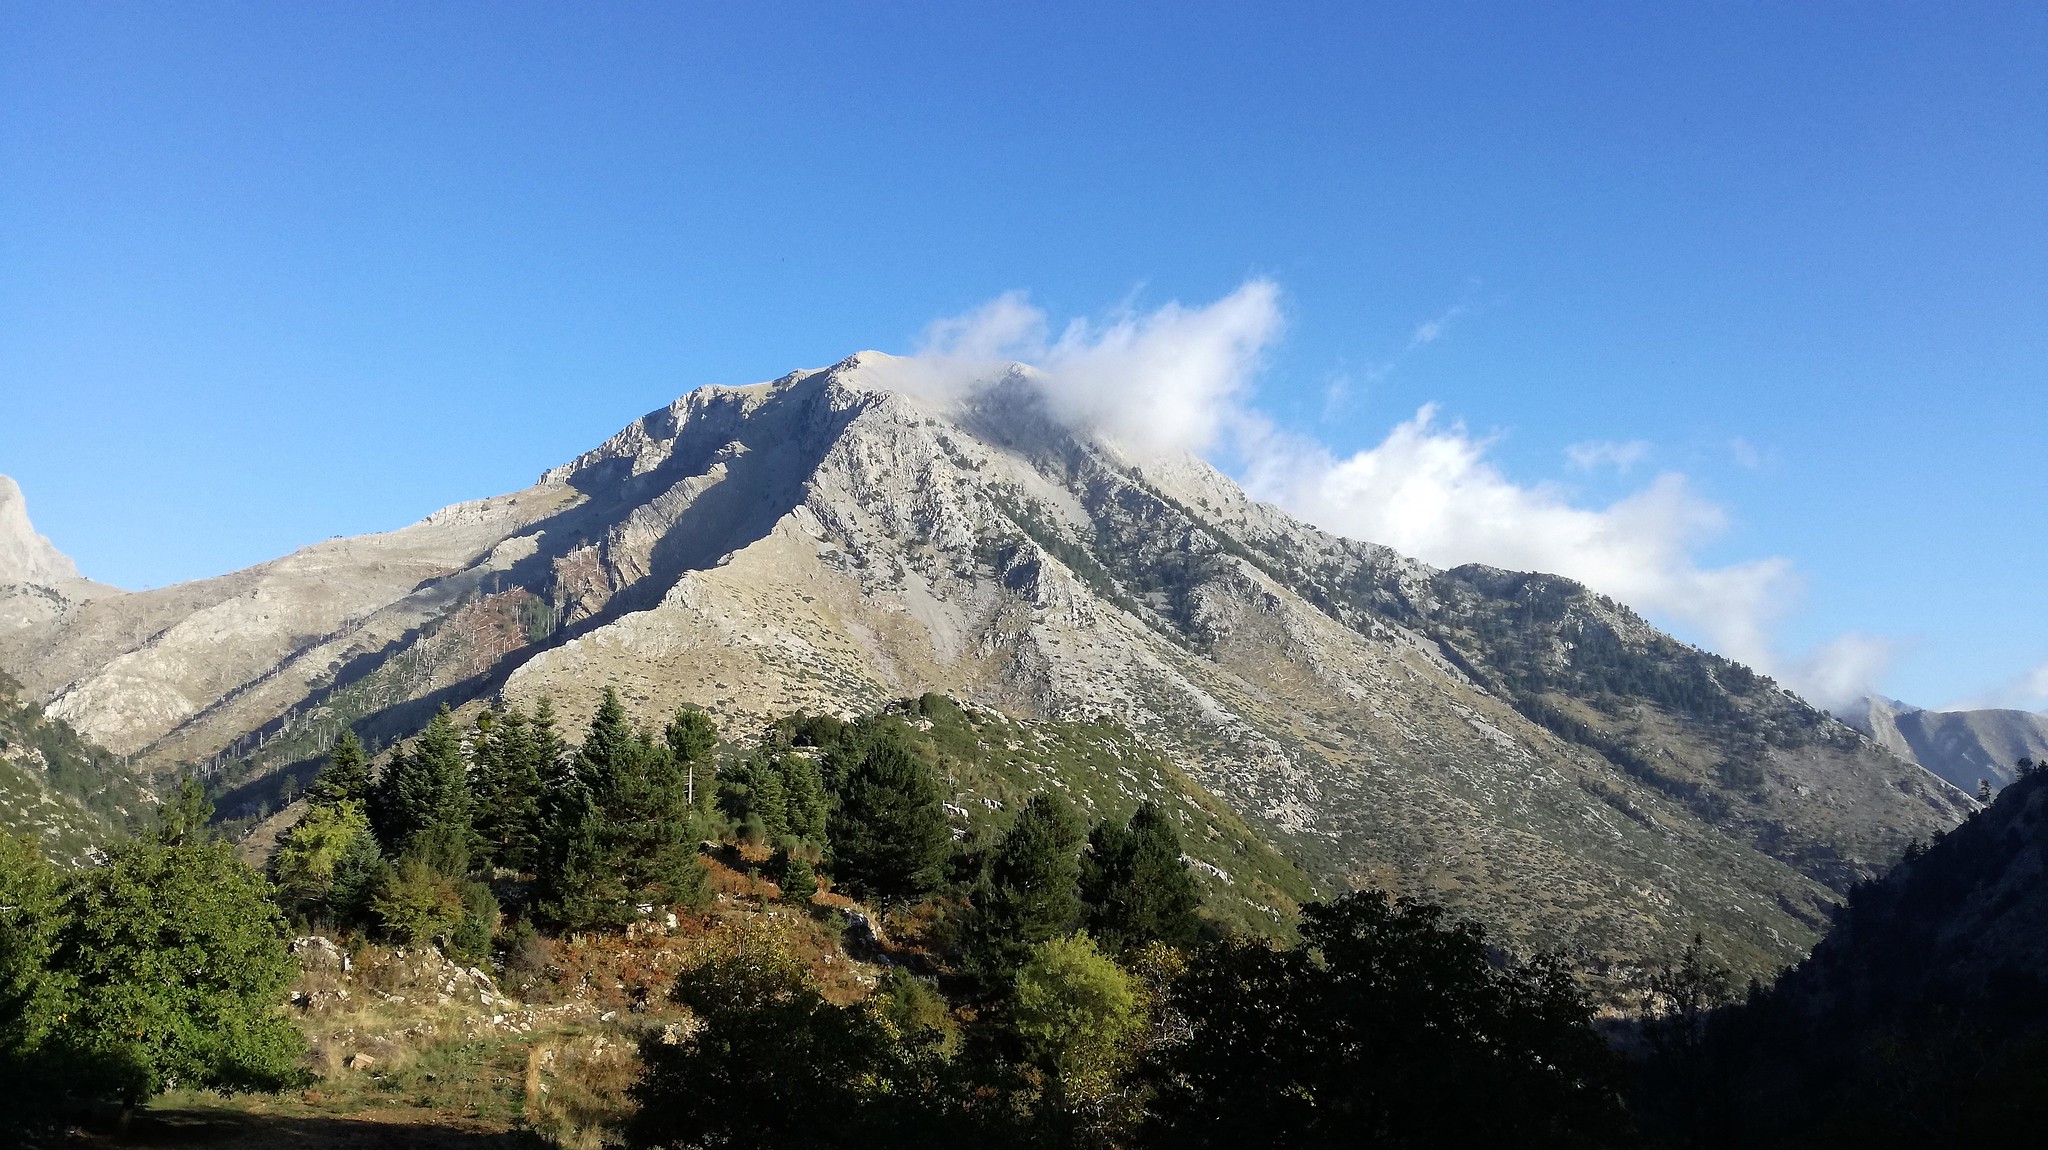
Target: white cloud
[
  {"x": 1745, "y": 453},
  {"x": 1180, "y": 379},
  {"x": 1429, "y": 491},
  {"x": 1598, "y": 453},
  {"x": 1430, "y": 331},
  {"x": 1844, "y": 669},
  {"x": 1162, "y": 381}
]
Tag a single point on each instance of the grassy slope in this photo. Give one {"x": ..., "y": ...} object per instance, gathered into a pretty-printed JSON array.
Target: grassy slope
[{"x": 992, "y": 764}]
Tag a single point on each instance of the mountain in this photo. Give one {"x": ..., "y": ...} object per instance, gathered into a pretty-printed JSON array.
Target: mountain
[
  {"x": 1921, "y": 1019},
  {"x": 1964, "y": 747},
  {"x": 38, "y": 583},
  {"x": 1513, "y": 744}
]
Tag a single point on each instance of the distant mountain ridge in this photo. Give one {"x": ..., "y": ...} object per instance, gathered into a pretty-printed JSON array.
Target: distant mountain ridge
[
  {"x": 1964, "y": 747},
  {"x": 1512, "y": 744}
]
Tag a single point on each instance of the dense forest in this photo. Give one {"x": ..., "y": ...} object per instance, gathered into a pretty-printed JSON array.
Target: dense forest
[{"x": 1069, "y": 986}]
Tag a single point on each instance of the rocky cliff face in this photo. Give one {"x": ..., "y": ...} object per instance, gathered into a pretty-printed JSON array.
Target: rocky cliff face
[
  {"x": 38, "y": 583},
  {"x": 1513, "y": 744}
]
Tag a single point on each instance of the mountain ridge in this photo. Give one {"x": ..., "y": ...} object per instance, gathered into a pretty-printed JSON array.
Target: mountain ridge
[
  {"x": 1969, "y": 747},
  {"x": 1512, "y": 744}
]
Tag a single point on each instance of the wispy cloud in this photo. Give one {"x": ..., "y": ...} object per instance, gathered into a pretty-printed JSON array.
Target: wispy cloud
[
  {"x": 1180, "y": 378},
  {"x": 2027, "y": 691},
  {"x": 1597, "y": 453},
  {"x": 1745, "y": 453}
]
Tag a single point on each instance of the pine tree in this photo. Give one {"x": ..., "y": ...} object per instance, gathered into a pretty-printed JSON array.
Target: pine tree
[
  {"x": 423, "y": 800},
  {"x": 346, "y": 778},
  {"x": 889, "y": 836},
  {"x": 1136, "y": 886},
  {"x": 1031, "y": 893}
]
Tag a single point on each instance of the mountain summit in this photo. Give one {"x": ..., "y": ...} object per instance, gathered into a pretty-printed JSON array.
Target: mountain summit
[
  {"x": 38, "y": 583},
  {"x": 1513, "y": 744},
  {"x": 26, "y": 557}
]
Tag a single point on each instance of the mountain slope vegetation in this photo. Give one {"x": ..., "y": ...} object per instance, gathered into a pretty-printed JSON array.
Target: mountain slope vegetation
[{"x": 67, "y": 795}]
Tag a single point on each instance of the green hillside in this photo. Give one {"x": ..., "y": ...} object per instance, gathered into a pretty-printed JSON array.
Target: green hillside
[
  {"x": 55, "y": 787},
  {"x": 992, "y": 765}
]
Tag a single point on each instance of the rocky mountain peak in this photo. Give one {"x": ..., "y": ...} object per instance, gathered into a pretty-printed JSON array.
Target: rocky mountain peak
[{"x": 26, "y": 557}]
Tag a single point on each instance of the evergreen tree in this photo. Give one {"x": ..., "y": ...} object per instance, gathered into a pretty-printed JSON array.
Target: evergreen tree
[
  {"x": 1031, "y": 893},
  {"x": 889, "y": 836},
  {"x": 470, "y": 941},
  {"x": 183, "y": 817},
  {"x": 1136, "y": 886},
  {"x": 692, "y": 738},
  {"x": 574, "y": 888},
  {"x": 752, "y": 797},
  {"x": 794, "y": 876},
  {"x": 620, "y": 830},
  {"x": 359, "y": 870},
  {"x": 423, "y": 804},
  {"x": 550, "y": 754},
  {"x": 508, "y": 790},
  {"x": 803, "y": 788},
  {"x": 346, "y": 778}
]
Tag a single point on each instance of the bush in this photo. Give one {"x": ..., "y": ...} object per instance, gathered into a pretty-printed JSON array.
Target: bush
[
  {"x": 175, "y": 964},
  {"x": 775, "y": 1064},
  {"x": 417, "y": 904},
  {"x": 797, "y": 878},
  {"x": 470, "y": 942}
]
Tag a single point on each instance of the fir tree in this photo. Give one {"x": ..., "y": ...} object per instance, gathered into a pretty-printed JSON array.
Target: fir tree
[
  {"x": 549, "y": 753},
  {"x": 620, "y": 830},
  {"x": 508, "y": 790},
  {"x": 574, "y": 888},
  {"x": 692, "y": 738},
  {"x": 1136, "y": 886},
  {"x": 752, "y": 797},
  {"x": 346, "y": 778},
  {"x": 889, "y": 835},
  {"x": 423, "y": 800},
  {"x": 805, "y": 803}
]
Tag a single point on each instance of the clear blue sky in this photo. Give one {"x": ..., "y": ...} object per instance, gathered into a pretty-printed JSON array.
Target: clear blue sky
[{"x": 275, "y": 272}]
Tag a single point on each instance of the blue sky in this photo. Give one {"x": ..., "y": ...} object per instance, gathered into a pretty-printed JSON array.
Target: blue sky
[{"x": 271, "y": 273}]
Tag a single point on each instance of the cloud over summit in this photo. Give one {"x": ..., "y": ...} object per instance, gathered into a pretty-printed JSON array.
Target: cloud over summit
[{"x": 1180, "y": 378}]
